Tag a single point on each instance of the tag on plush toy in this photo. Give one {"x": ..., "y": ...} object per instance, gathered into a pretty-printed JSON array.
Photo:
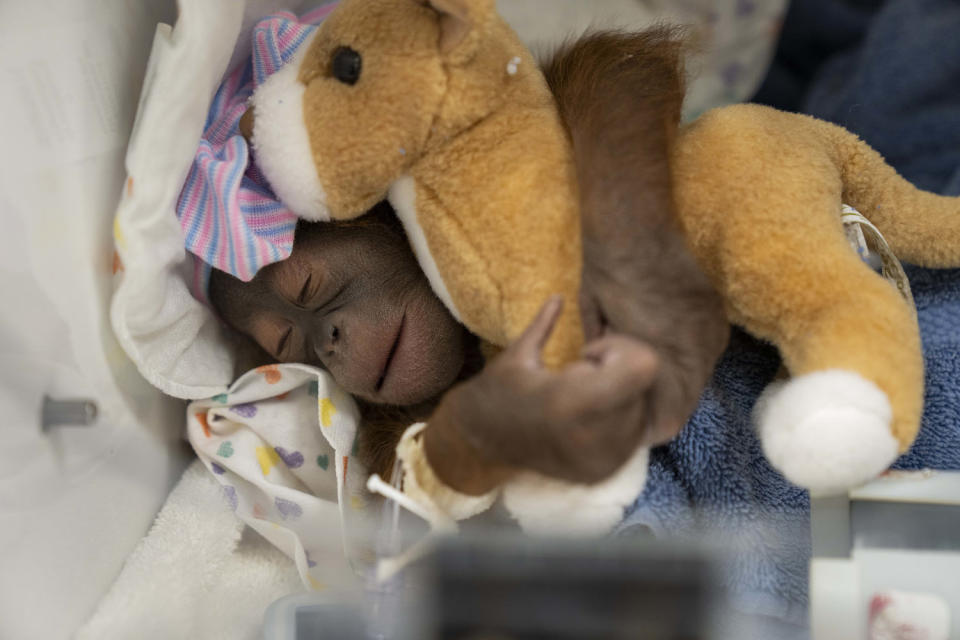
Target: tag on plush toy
[{"x": 866, "y": 239}]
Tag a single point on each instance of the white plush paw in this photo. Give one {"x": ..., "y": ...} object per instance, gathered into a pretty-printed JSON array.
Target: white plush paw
[
  {"x": 544, "y": 506},
  {"x": 827, "y": 431}
]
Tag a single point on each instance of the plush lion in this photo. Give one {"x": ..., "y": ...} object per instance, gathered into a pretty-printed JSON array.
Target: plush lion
[
  {"x": 436, "y": 105},
  {"x": 439, "y": 107}
]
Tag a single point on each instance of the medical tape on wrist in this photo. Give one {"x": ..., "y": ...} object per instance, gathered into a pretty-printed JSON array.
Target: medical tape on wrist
[{"x": 427, "y": 497}]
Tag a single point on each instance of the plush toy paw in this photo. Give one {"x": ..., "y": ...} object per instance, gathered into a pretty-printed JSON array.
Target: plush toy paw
[
  {"x": 544, "y": 506},
  {"x": 827, "y": 431}
]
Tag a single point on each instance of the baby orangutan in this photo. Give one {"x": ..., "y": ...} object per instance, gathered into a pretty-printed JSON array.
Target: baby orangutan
[{"x": 352, "y": 299}]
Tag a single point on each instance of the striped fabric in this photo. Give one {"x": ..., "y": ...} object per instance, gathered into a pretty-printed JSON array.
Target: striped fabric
[{"x": 230, "y": 218}]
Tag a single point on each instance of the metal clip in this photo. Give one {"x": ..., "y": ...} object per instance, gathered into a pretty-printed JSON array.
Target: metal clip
[{"x": 67, "y": 413}]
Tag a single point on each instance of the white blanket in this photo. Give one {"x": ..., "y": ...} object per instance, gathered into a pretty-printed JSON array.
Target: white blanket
[{"x": 199, "y": 573}]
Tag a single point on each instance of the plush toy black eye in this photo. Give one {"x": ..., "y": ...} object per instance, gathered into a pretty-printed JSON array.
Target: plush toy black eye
[{"x": 347, "y": 64}]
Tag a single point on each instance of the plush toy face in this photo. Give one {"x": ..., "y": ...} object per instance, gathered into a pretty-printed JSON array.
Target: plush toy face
[{"x": 355, "y": 109}]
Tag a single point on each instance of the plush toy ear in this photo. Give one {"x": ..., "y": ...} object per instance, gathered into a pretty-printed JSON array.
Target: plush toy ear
[{"x": 461, "y": 23}]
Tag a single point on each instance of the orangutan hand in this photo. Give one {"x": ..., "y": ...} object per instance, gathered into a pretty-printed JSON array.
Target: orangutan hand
[{"x": 580, "y": 423}]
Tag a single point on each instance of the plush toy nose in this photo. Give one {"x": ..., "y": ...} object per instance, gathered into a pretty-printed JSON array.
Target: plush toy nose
[{"x": 246, "y": 125}]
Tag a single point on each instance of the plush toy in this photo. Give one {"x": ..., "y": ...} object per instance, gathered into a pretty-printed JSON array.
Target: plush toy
[{"x": 437, "y": 105}]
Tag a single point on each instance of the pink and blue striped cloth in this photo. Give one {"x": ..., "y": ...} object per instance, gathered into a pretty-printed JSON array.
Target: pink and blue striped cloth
[{"x": 229, "y": 216}]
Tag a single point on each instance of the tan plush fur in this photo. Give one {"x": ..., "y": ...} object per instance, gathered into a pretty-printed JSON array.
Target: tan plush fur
[
  {"x": 759, "y": 194},
  {"x": 492, "y": 168},
  {"x": 450, "y": 99}
]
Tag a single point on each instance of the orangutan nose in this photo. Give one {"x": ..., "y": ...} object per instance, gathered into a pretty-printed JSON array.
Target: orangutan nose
[{"x": 329, "y": 344}]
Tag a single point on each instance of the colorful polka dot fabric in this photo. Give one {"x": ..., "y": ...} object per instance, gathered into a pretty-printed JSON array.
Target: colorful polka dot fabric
[{"x": 280, "y": 442}]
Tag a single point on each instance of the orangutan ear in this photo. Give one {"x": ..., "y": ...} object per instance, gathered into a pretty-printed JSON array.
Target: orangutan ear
[{"x": 461, "y": 24}]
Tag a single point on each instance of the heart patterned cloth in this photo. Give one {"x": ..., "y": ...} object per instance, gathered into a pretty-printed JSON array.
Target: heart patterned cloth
[{"x": 280, "y": 442}]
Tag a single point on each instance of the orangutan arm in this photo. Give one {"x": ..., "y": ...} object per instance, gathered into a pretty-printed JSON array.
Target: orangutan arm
[{"x": 620, "y": 96}]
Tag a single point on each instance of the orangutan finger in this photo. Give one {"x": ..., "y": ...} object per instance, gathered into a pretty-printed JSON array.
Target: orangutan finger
[{"x": 530, "y": 343}]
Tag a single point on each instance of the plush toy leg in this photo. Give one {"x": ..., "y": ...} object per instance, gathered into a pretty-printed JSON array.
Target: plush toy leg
[
  {"x": 548, "y": 507},
  {"x": 765, "y": 222},
  {"x": 851, "y": 343},
  {"x": 827, "y": 431},
  {"x": 853, "y": 346}
]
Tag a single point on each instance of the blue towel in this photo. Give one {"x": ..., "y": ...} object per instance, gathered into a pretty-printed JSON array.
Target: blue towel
[{"x": 713, "y": 481}]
